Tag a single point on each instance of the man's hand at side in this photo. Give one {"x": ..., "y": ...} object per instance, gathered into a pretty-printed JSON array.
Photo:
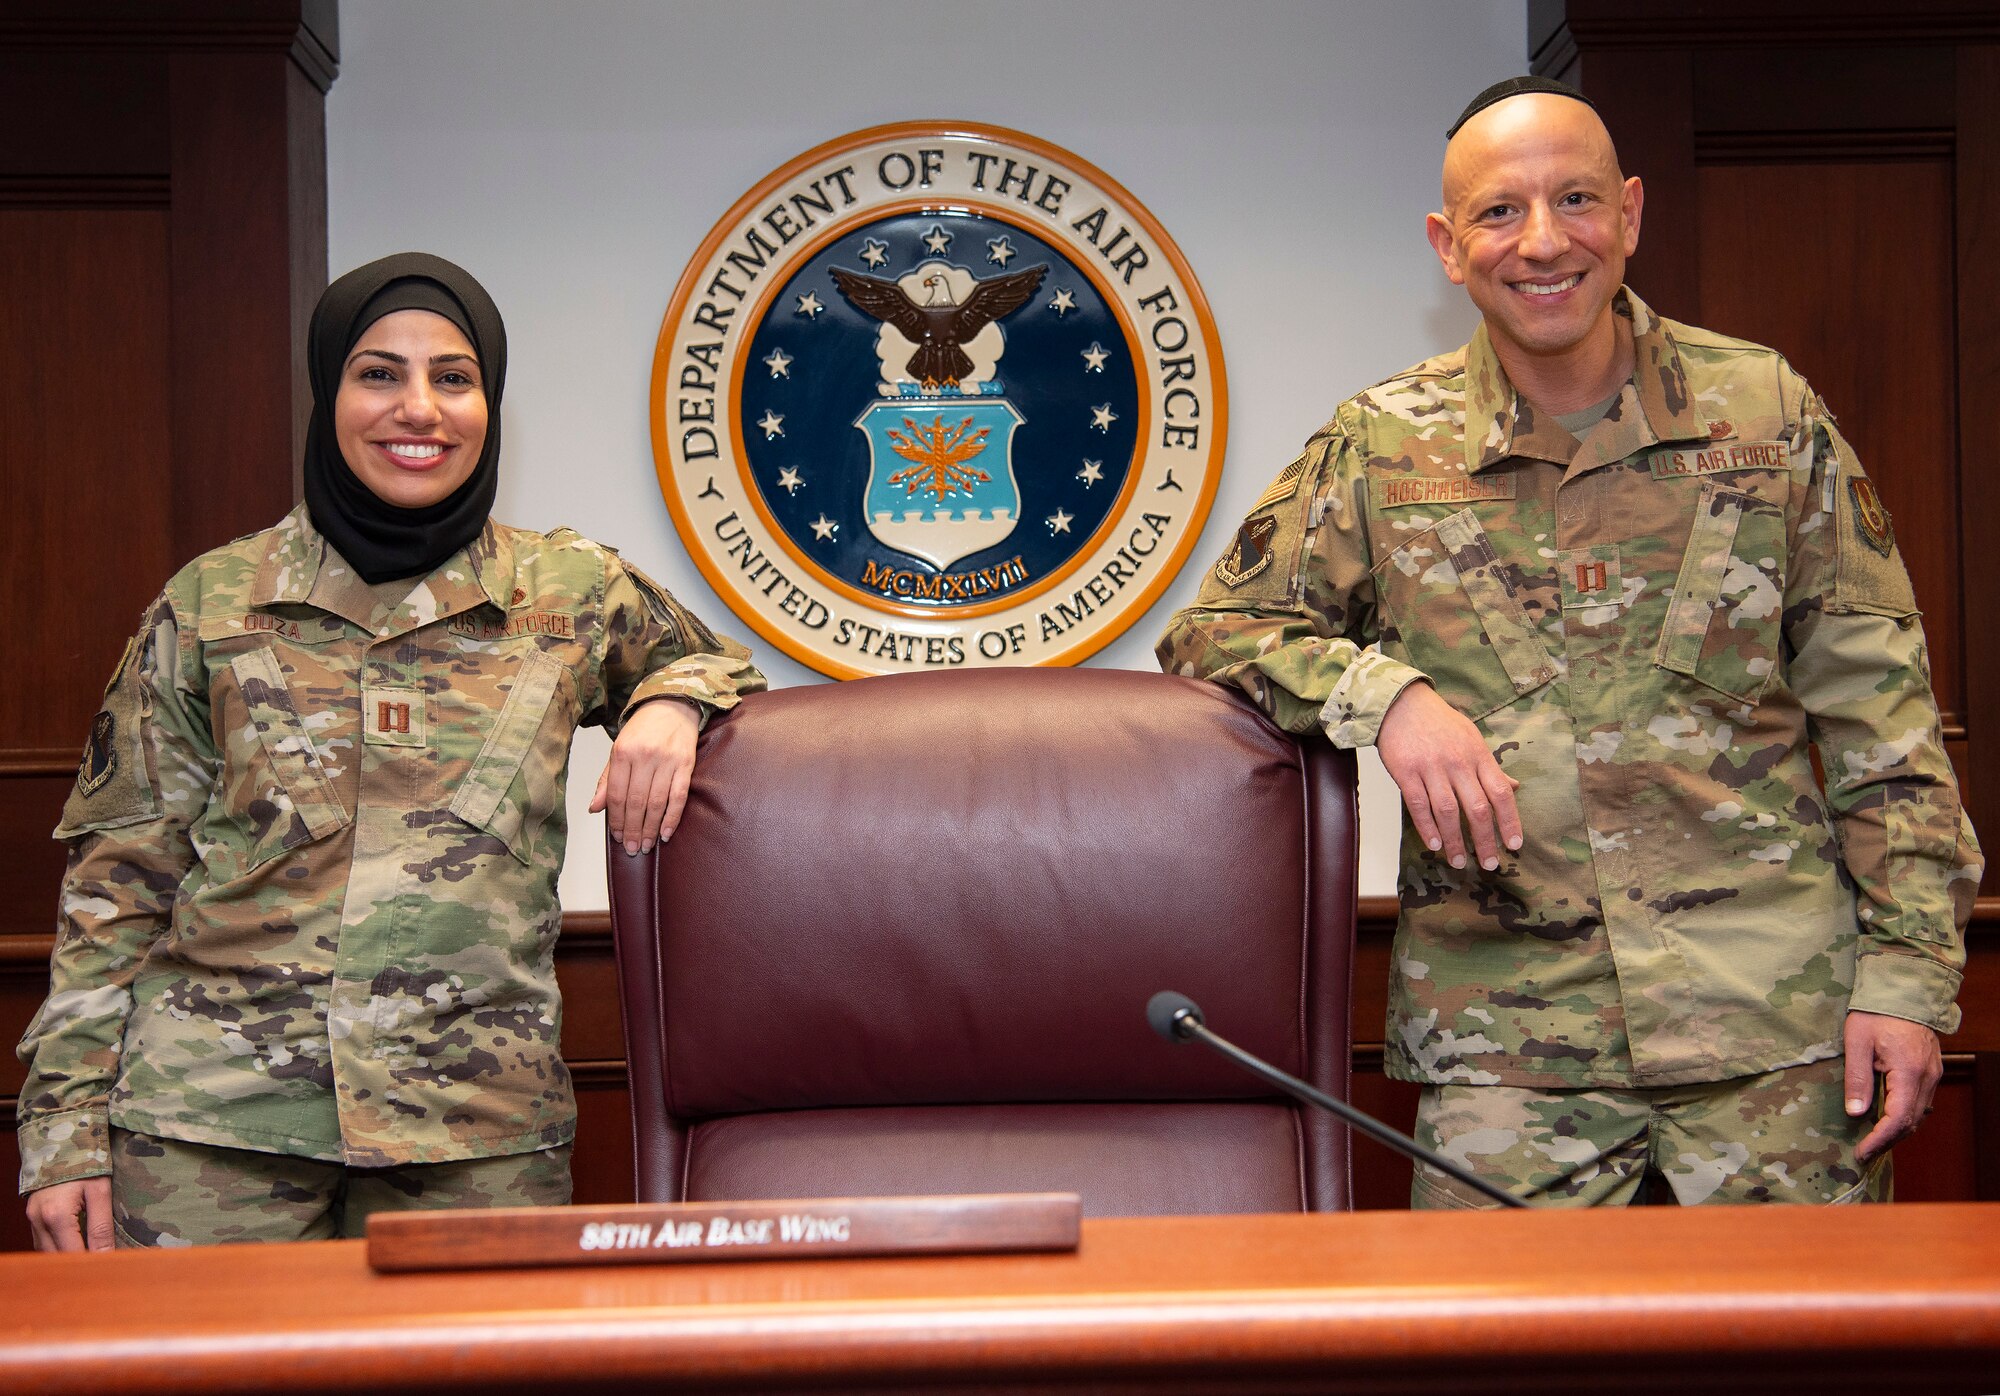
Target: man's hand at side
[
  {"x": 54, "y": 1212},
  {"x": 1911, "y": 1063},
  {"x": 1440, "y": 762}
]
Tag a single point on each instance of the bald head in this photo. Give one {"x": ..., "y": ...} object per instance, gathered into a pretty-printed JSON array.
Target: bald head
[{"x": 1531, "y": 125}]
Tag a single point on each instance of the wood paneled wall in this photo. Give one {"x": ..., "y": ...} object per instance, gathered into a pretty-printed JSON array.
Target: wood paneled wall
[{"x": 162, "y": 243}]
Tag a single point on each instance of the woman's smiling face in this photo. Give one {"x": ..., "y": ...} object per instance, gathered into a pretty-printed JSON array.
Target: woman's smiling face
[{"x": 410, "y": 414}]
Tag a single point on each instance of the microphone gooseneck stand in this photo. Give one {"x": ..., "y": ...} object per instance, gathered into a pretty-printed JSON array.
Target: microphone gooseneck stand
[{"x": 1177, "y": 1018}]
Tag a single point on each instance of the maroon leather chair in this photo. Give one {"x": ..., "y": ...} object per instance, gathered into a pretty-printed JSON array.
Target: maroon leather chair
[{"x": 903, "y": 939}]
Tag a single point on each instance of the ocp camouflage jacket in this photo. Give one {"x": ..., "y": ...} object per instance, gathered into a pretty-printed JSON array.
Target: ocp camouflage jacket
[
  {"x": 1651, "y": 626},
  {"x": 311, "y": 899}
]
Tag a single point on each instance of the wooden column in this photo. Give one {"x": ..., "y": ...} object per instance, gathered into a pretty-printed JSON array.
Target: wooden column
[{"x": 162, "y": 242}]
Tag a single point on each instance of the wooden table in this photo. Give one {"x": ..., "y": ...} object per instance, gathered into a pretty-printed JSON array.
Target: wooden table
[{"x": 1863, "y": 1298}]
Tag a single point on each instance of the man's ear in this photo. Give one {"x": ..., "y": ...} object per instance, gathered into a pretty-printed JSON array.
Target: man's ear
[
  {"x": 1632, "y": 199},
  {"x": 1443, "y": 242}
]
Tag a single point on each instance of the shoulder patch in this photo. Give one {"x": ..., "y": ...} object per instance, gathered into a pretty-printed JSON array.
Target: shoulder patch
[
  {"x": 112, "y": 783},
  {"x": 1871, "y": 520},
  {"x": 1287, "y": 483},
  {"x": 1249, "y": 552},
  {"x": 685, "y": 623},
  {"x": 100, "y": 756},
  {"x": 1868, "y": 570}
]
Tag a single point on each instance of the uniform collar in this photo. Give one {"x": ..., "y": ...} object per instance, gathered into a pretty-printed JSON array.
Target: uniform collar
[
  {"x": 1653, "y": 406},
  {"x": 303, "y": 568}
]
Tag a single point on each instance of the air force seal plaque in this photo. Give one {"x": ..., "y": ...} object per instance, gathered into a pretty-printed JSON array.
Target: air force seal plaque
[{"x": 936, "y": 395}]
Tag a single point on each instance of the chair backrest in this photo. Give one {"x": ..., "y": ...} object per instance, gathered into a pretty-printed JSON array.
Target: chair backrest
[{"x": 903, "y": 939}]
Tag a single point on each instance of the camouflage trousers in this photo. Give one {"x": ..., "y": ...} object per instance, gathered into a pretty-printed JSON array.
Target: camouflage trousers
[
  {"x": 167, "y": 1192},
  {"x": 1784, "y": 1136}
]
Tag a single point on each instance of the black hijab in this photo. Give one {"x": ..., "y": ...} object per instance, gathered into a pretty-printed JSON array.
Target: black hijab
[{"x": 384, "y": 541}]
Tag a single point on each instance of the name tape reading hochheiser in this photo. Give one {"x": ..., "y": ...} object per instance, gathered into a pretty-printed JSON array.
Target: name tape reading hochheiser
[{"x": 627, "y": 1234}]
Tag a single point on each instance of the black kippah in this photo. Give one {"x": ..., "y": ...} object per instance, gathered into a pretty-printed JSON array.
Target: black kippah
[{"x": 1514, "y": 87}]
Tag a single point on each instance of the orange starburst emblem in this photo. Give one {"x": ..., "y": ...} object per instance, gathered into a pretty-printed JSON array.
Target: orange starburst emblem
[{"x": 940, "y": 453}]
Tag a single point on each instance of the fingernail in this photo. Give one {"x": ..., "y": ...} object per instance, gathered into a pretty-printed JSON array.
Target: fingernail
[
  {"x": 1514, "y": 844},
  {"x": 646, "y": 847},
  {"x": 1489, "y": 863},
  {"x": 1458, "y": 860},
  {"x": 1855, "y": 1107},
  {"x": 632, "y": 849},
  {"x": 1433, "y": 845}
]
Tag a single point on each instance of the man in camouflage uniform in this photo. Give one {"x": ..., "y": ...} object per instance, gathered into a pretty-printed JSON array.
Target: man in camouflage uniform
[
  {"x": 1594, "y": 584},
  {"x": 311, "y": 902}
]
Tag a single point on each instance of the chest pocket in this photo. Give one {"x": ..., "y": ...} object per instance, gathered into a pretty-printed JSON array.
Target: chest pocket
[
  {"x": 1723, "y": 624},
  {"x": 279, "y": 789},
  {"x": 1453, "y": 615},
  {"x": 516, "y": 781}
]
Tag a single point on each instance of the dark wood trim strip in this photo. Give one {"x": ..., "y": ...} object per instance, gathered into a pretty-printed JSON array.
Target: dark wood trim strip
[
  {"x": 83, "y": 191},
  {"x": 1635, "y": 24},
  {"x": 1374, "y": 916},
  {"x": 306, "y": 31},
  {"x": 587, "y": 925},
  {"x": 20, "y": 953},
  {"x": 1798, "y": 147},
  {"x": 38, "y": 761}
]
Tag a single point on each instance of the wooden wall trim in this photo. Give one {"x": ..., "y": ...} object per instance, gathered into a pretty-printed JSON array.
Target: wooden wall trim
[
  {"x": 1554, "y": 25},
  {"x": 1374, "y": 917},
  {"x": 307, "y": 31},
  {"x": 83, "y": 191},
  {"x": 1794, "y": 147},
  {"x": 38, "y": 761}
]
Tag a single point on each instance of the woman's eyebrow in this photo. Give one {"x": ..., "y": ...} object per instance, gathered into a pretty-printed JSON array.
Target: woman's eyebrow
[{"x": 452, "y": 358}]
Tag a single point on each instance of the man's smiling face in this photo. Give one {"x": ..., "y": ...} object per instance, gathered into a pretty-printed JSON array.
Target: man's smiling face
[{"x": 1537, "y": 224}]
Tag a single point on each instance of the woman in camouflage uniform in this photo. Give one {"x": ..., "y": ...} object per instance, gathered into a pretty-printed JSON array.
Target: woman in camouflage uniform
[{"x": 303, "y": 967}]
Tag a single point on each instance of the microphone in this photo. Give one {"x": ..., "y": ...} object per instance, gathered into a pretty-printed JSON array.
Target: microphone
[{"x": 1177, "y": 1018}]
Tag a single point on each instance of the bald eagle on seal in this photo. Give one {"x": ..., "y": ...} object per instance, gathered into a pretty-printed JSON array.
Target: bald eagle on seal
[{"x": 939, "y": 325}]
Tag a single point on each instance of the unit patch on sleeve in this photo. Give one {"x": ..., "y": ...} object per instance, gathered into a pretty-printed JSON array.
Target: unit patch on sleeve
[
  {"x": 1871, "y": 520},
  {"x": 1249, "y": 553},
  {"x": 100, "y": 756}
]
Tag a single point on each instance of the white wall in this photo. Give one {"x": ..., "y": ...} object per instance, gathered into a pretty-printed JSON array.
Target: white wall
[{"x": 573, "y": 155}]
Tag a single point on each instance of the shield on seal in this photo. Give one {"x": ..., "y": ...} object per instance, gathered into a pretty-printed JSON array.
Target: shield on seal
[{"x": 941, "y": 480}]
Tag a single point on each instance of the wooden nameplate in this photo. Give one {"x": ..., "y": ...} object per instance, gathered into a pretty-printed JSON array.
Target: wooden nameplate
[{"x": 491, "y": 1238}]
